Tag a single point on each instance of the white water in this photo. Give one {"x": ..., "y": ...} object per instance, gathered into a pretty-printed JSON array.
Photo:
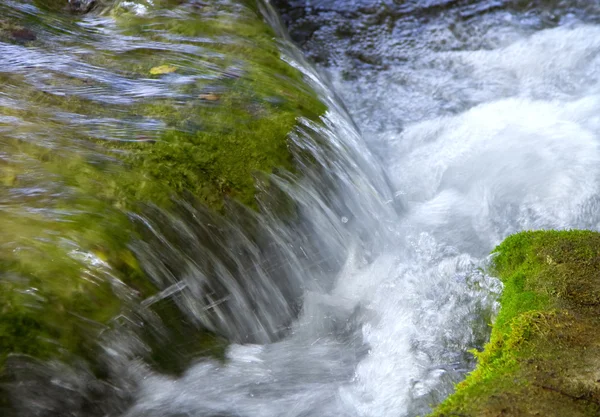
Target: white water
[{"x": 476, "y": 146}]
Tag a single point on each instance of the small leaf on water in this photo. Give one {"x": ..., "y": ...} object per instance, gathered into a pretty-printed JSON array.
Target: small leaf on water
[
  {"x": 209, "y": 97},
  {"x": 163, "y": 69}
]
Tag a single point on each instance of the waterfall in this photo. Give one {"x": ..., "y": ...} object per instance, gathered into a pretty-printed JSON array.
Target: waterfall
[{"x": 367, "y": 298}]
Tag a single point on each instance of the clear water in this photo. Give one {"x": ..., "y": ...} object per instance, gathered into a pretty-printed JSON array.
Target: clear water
[
  {"x": 459, "y": 146},
  {"x": 496, "y": 134}
]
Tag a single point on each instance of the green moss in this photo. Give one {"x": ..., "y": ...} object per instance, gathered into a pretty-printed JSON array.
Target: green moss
[
  {"x": 54, "y": 302},
  {"x": 544, "y": 351},
  {"x": 213, "y": 148},
  {"x": 209, "y": 148}
]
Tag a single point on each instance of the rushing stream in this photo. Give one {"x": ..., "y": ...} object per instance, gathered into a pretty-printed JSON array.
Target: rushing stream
[{"x": 469, "y": 121}]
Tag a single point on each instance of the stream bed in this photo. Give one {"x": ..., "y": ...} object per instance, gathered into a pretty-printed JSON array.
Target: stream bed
[{"x": 449, "y": 126}]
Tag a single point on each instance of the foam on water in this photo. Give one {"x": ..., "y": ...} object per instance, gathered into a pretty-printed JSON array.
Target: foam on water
[{"x": 499, "y": 140}]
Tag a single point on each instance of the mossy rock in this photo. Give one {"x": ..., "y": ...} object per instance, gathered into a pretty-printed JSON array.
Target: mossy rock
[
  {"x": 219, "y": 105},
  {"x": 220, "y": 130},
  {"x": 543, "y": 358}
]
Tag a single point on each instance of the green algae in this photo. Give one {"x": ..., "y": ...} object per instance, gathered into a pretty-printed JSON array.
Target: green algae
[
  {"x": 209, "y": 148},
  {"x": 213, "y": 149},
  {"x": 56, "y": 283},
  {"x": 543, "y": 355},
  {"x": 67, "y": 267}
]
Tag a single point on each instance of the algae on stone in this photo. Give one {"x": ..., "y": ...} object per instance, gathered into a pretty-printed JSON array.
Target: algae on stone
[
  {"x": 543, "y": 357},
  {"x": 92, "y": 131},
  {"x": 212, "y": 148}
]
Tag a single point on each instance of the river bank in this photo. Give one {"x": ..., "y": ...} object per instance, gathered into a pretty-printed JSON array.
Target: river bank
[{"x": 544, "y": 350}]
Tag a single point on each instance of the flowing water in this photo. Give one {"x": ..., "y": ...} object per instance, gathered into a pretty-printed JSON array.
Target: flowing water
[{"x": 478, "y": 120}]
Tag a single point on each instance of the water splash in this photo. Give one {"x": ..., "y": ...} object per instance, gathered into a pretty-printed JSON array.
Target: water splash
[{"x": 367, "y": 302}]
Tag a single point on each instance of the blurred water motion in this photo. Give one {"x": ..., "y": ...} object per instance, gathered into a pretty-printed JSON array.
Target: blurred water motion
[{"x": 193, "y": 225}]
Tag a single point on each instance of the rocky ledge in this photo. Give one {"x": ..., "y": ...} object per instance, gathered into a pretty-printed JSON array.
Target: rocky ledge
[{"x": 543, "y": 356}]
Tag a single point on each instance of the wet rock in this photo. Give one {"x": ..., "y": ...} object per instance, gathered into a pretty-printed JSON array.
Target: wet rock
[
  {"x": 23, "y": 35},
  {"x": 91, "y": 135},
  {"x": 82, "y": 6},
  {"x": 544, "y": 351}
]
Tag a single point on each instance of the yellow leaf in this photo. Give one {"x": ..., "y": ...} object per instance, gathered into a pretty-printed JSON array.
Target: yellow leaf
[
  {"x": 209, "y": 97},
  {"x": 163, "y": 69}
]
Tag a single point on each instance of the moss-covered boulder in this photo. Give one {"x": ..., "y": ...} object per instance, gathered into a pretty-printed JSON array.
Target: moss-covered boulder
[
  {"x": 135, "y": 105},
  {"x": 543, "y": 358}
]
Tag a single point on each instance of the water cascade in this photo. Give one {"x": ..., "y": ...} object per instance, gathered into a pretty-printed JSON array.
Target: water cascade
[{"x": 357, "y": 284}]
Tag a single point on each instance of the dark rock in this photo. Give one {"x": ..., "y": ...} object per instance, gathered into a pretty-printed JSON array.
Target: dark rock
[
  {"x": 81, "y": 6},
  {"x": 23, "y": 35}
]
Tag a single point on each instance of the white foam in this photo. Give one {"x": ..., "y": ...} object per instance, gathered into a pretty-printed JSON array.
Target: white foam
[{"x": 519, "y": 150}]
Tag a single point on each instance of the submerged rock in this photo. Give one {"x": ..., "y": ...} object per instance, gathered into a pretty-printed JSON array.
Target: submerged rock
[
  {"x": 99, "y": 133},
  {"x": 23, "y": 34},
  {"x": 543, "y": 355}
]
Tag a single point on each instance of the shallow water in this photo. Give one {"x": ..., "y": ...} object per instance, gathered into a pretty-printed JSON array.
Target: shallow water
[
  {"x": 476, "y": 120},
  {"x": 484, "y": 117}
]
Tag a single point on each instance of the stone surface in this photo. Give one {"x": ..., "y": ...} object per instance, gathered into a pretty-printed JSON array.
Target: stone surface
[{"x": 544, "y": 352}]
